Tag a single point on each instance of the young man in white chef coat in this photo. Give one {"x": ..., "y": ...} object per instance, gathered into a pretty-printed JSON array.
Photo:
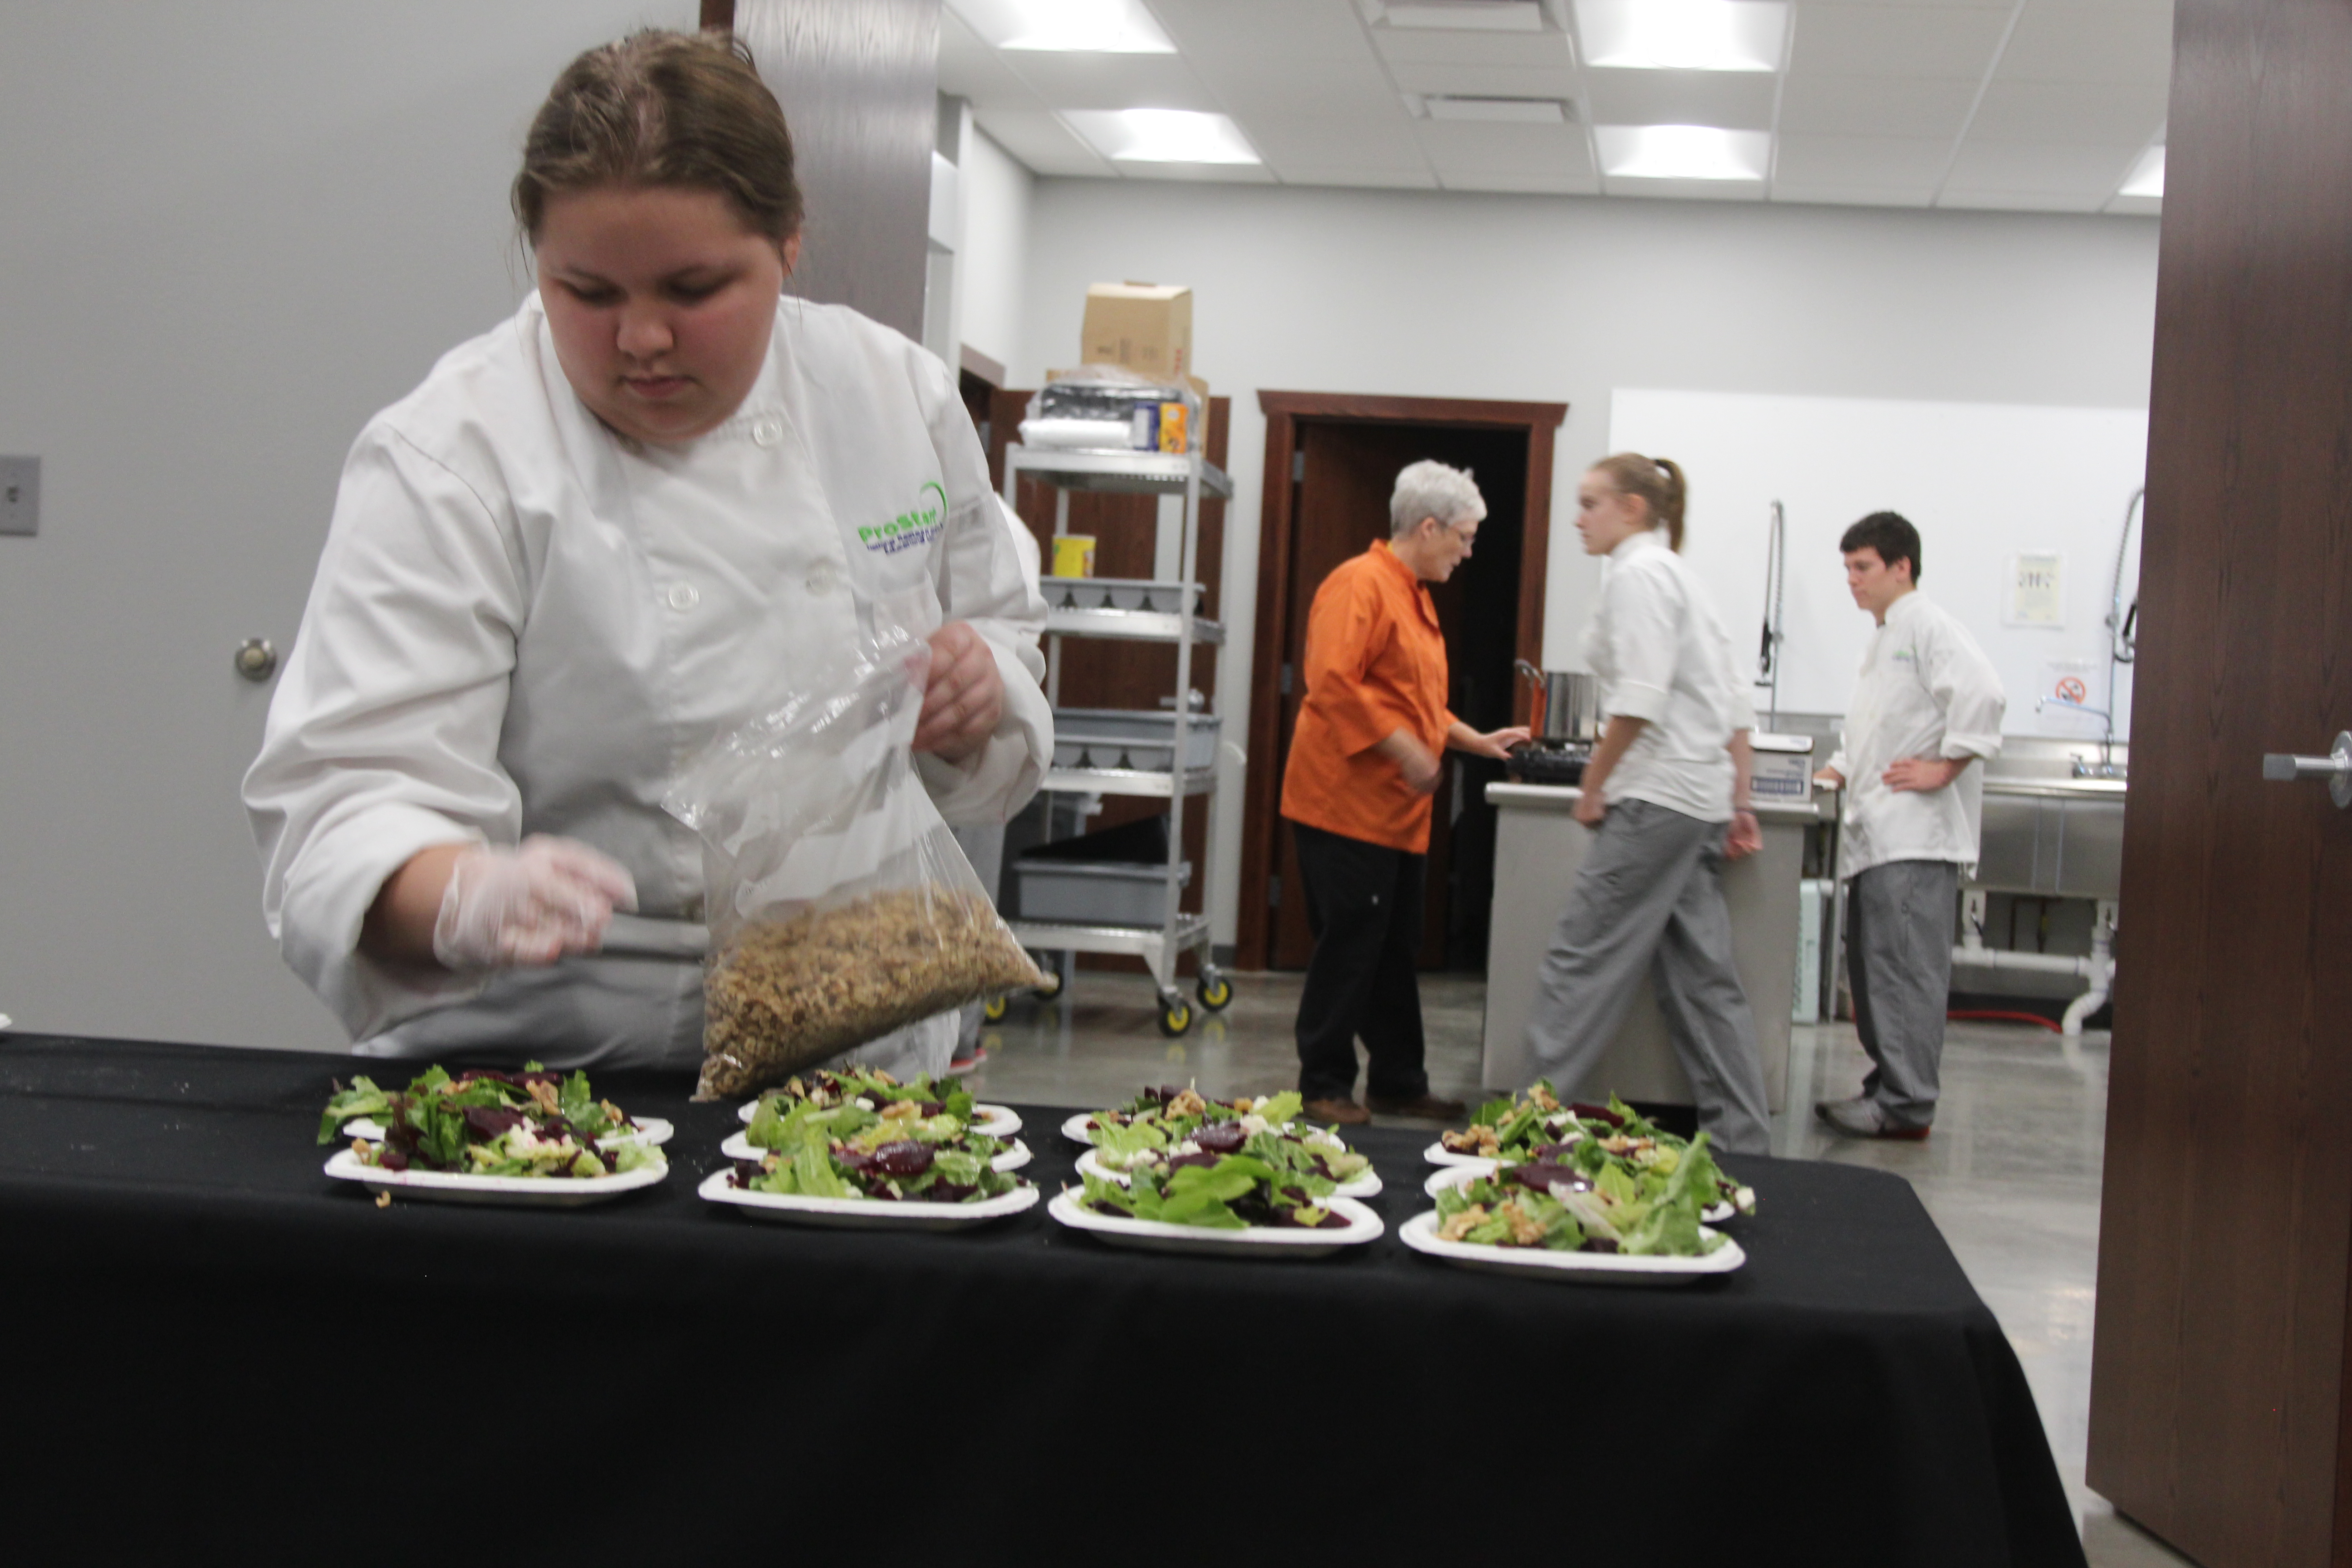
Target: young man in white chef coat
[{"x": 1927, "y": 707}]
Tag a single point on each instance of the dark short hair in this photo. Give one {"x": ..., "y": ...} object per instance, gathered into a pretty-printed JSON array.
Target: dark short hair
[{"x": 1889, "y": 532}]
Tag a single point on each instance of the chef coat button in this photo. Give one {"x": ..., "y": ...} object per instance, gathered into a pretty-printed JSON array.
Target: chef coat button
[
  {"x": 768, "y": 431},
  {"x": 820, "y": 579},
  {"x": 683, "y": 596}
]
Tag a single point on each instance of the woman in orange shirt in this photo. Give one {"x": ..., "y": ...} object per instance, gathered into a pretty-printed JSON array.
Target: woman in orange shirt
[{"x": 1364, "y": 761}]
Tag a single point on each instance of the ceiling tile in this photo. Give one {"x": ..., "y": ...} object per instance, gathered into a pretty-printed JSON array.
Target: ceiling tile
[
  {"x": 2051, "y": 168},
  {"x": 1736, "y": 101},
  {"x": 1487, "y": 82},
  {"x": 1894, "y": 40},
  {"x": 2077, "y": 111},
  {"x": 1414, "y": 45},
  {"x": 2017, "y": 202},
  {"x": 970, "y": 68},
  {"x": 1784, "y": 194},
  {"x": 1040, "y": 141},
  {"x": 1358, "y": 142},
  {"x": 1526, "y": 184},
  {"x": 2090, "y": 42},
  {"x": 1212, "y": 173},
  {"x": 1687, "y": 190},
  {"x": 1911, "y": 162},
  {"x": 1465, "y": 149},
  {"x": 1874, "y": 106},
  {"x": 1113, "y": 81},
  {"x": 1415, "y": 179},
  {"x": 1304, "y": 88},
  {"x": 1283, "y": 29}
]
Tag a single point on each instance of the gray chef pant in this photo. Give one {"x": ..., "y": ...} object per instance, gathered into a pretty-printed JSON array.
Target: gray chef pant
[
  {"x": 1649, "y": 896},
  {"x": 1899, "y": 921}
]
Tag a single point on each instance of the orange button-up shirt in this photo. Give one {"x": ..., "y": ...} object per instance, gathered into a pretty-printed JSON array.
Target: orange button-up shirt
[{"x": 1375, "y": 664}]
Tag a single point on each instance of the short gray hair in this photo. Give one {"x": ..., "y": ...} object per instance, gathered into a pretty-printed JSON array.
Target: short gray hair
[{"x": 1429, "y": 488}]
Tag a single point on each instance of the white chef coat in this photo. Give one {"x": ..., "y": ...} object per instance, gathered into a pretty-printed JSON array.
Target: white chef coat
[
  {"x": 1661, "y": 655},
  {"x": 1925, "y": 691},
  {"x": 525, "y": 623}
]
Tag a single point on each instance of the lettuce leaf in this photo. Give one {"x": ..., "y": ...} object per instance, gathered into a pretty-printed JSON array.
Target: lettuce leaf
[{"x": 363, "y": 1099}]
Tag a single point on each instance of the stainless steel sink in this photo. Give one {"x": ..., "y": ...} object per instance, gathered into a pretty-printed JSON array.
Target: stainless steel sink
[{"x": 2047, "y": 832}]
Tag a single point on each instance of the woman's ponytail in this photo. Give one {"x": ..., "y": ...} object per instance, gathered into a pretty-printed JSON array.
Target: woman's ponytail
[{"x": 1658, "y": 481}]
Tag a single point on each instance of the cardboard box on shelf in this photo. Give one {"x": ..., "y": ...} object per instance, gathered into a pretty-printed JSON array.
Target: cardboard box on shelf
[{"x": 1147, "y": 327}]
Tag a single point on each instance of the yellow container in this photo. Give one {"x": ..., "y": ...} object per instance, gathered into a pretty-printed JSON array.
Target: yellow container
[
  {"x": 1074, "y": 555},
  {"x": 1173, "y": 437}
]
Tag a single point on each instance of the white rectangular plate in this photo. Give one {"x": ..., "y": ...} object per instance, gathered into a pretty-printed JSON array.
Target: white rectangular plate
[
  {"x": 1454, "y": 1175},
  {"x": 1150, "y": 1235},
  {"x": 1364, "y": 1186},
  {"x": 651, "y": 1129},
  {"x": 738, "y": 1147},
  {"x": 536, "y": 1192},
  {"x": 863, "y": 1214},
  {"x": 1420, "y": 1233},
  {"x": 989, "y": 1121}
]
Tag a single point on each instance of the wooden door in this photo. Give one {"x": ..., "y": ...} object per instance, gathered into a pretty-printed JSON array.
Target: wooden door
[
  {"x": 1341, "y": 505},
  {"x": 2218, "y": 1404}
]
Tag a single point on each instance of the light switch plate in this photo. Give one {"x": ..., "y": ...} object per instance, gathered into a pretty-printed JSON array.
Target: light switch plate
[{"x": 20, "y": 495}]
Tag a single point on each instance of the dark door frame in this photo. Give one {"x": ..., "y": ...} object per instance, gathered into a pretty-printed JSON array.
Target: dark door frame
[{"x": 1284, "y": 412}]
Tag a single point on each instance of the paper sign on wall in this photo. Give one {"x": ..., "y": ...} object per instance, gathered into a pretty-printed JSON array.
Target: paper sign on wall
[
  {"x": 2036, "y": 590},
  {"x": 2067, "y": 689}
]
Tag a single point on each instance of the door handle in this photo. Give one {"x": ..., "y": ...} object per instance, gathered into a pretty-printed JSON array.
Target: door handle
[{"x": 2335, "y": 768}]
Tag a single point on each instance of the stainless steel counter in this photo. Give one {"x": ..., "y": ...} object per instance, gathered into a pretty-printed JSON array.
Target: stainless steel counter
[{"x": 1538, "y": 848}]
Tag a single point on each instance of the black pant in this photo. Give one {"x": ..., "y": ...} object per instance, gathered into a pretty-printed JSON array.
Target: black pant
[{"x": 1363, "y": 904}]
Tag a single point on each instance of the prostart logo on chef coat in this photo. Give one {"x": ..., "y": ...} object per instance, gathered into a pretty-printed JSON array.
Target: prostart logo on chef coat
[{"x": 910, "y": 529}]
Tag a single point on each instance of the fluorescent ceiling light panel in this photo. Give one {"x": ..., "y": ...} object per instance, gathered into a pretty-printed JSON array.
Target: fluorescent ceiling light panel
[
  {"x": 1684, "y": 35},
  {"x": 1468, "y": 16},
  {"x": 1067, "y": 26},
  {"x": 1683, "y": 152},
  {"x": 1501, "y": 111},
  {"x": 2146, "y": 175},
  {"x": 1161, "y": 136}
]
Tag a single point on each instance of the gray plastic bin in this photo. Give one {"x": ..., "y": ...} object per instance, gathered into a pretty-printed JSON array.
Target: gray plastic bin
[
  {"x": 1130, "y": 737},
  {"x": 1096, "y": 892}
]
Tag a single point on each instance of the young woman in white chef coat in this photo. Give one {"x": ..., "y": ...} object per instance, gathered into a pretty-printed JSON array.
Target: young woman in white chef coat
[
  {"x": 1667, "y": 797},
  {"x": 597, "y": 537}
]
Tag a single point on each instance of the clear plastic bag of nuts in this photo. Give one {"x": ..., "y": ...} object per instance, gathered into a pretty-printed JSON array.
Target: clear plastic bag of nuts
[{"x": 839, "y": 905}]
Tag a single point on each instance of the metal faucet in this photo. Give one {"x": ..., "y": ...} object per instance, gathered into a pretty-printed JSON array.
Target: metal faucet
[{"x": 2107, "y": 767}]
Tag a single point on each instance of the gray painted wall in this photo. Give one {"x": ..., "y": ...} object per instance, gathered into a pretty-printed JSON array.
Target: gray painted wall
[{"x": 228, "y": 234}]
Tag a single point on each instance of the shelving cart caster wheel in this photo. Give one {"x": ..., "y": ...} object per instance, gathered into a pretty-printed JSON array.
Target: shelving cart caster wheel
[
  {"x": 993, "y": 1011},
  {"x": 1175, "y": 1015},
  {"x": 1215, "y": 992},
  {"x": 1052, "y": 985}
]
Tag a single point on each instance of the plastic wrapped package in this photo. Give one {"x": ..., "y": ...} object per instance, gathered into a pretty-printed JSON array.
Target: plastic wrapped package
[
  {"x": 840, "y": 907},
  {"x": 1108, "y": 408}
]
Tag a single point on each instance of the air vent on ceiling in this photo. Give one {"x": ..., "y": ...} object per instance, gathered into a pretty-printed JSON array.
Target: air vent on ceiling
[
  {"x": 1466, "y": 15},
  {"x": 1495, "y": 111}
]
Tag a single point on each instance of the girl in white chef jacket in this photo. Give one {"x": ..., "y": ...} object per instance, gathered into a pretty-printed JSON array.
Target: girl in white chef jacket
[
  {"x": 1667, "y": 797},
  {"x": 598, "y": 536}
]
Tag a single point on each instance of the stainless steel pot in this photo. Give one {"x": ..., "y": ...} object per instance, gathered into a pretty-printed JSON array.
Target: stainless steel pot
[{"x": 1567, "y": 703}]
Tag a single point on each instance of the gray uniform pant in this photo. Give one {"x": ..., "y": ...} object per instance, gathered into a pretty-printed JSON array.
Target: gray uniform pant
[
  {"x": 1648, "y": 896},
  {"x": 1899, "y": 921}
]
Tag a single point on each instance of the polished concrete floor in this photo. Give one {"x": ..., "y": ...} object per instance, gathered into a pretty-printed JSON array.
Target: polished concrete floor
[{"x": 2012, "y": 1175}]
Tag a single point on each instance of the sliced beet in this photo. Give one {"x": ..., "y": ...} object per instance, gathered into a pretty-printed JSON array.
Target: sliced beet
[
  {"x": 1222, "y": 1137},
  {"x": 907, "y": 1158},
  {"x": 1178, "y": 1161},
  {"x": 1541, "y": 1177},
  {"x": 947, "y": 1192},
  {"x": 855, "y": 1162},
  {"x": 488, "y": 1122},
  {"x": 1588, "y": 1113},
  {"x": 391, "y": 1159}
]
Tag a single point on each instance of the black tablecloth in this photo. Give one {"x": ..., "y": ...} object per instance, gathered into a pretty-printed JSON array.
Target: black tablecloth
[{"x": 211, "y": 1341}]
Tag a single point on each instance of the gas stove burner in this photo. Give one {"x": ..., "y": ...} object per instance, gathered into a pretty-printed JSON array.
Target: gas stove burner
[{"x": 1548, "y": 762}]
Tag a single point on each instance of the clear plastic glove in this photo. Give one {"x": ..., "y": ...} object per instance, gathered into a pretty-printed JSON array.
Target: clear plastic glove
[{"x": 532, "y": 905}]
